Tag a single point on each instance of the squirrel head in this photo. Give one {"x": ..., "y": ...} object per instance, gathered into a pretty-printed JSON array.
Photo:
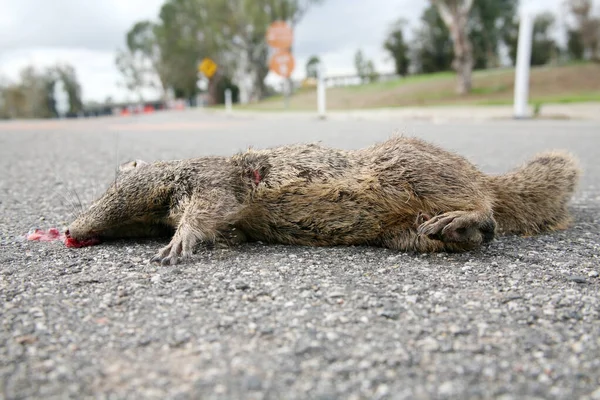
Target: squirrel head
[{"x": 134, "y": 204}]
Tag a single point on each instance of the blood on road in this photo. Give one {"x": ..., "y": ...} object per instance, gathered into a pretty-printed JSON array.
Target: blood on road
[{"x": 54, "y": 234}]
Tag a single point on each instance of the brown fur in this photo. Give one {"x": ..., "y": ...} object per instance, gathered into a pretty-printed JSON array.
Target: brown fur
[{"x": 403, "y": 193}]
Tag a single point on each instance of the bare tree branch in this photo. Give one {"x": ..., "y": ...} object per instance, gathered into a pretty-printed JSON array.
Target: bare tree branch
[
  {"x": 467, "y": 6},
  {"x": 444, "y": 11},
  {"x": 455, "y": 14}
]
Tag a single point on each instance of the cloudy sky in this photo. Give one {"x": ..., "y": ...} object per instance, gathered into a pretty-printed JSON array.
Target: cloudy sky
[{"x": 86, "y": 34}]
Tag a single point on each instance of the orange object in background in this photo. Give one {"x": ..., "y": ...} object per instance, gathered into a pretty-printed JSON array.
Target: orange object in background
[
  {"x": 282, "y": 63},
  {"x": 280, "y": 35}
]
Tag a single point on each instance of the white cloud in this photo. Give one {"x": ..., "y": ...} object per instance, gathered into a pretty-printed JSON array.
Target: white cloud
[
  {"x": 95, "y": 69},
  {"x": 96, "y": 25}
]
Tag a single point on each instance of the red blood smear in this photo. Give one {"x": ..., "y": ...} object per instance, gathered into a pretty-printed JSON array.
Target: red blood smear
[
  {"x": 70, "y": 242},
  {"x": 257, "y": 177},
  {"x": 54, "y": 234}
]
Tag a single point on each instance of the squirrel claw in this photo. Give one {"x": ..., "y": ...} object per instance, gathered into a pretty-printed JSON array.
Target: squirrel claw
[
  {"x": 168, "y": 260},
  {"x": 172, "y": 253}
]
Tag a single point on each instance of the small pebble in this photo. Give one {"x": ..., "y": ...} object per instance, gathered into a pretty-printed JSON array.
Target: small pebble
[
  {"x": 390, "y": 314},
  {"x": 577, "y": 278},
  {"x": 253, "y": 383},
  {"x": 241, "y": 285}
]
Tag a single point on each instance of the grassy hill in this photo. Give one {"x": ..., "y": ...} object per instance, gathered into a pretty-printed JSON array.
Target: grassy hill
[{"x": 549, "y": 84}]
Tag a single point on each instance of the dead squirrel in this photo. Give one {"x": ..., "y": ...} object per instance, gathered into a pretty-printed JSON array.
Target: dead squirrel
[{"x": 403, "y": 193}]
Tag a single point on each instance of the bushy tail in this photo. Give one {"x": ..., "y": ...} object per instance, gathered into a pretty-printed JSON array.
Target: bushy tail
[{"x": 534, "y": 197}]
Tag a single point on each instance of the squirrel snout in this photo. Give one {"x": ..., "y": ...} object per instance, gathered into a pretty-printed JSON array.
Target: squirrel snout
[{"x": 76, "y": 231}]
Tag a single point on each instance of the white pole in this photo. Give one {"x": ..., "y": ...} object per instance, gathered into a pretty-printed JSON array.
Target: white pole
[
  {"x": 228, "y": 101},
  {"x": 523, "y": 66},
  {"x": 321, "y": 91},
  {"x": 287, "y": 92}
]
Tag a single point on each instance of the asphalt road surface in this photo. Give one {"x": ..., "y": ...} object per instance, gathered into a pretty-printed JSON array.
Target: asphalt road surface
[{"x": 519, "y": 318}]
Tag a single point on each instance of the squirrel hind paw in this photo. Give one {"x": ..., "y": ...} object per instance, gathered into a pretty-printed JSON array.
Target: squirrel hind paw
[
  {"x": 422, "y": 218},
  {"x": 459, "y": 226}
]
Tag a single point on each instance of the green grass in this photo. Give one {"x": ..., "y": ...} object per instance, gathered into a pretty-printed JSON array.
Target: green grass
[
  {"x": 573, "y": 98},
  {"x": 490, "y": 89},
  {"x": 572, "y": 83},
  {"x": 412, "y": 79}
]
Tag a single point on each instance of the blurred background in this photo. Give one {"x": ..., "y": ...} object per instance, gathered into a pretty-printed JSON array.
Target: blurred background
[{"x": 69, "y": 58}]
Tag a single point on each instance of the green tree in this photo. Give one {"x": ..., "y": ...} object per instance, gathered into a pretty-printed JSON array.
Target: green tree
[
  {"x": 142, "y": 42},
  {"x": 312, "y": 66},
  {"x": 248, "y": 21},
  {"x": 33, "y": 95},
  {"x": 431, "y": 47},
  {"x": 370, "y": 71},
  {"x": 360, "y": 64},
  {"x": 68, "y": 75},
  {"x": 543, "y": 48},
  {"x": 140, "y": 63},
  {"x": 131, "y": 72},
  {"x": 575, "y": 47},
  {"x": 13, "y": 102},
  {"x": 585, "y": 31},
  {"x": 397, "y": 46},
  {"x": 231, "y": 32},
  {"x": 455, "y": 14},
  {"x": 365, "y": 69},
  {"x": 33, "y": 86},
  {"x": 489, "y": 23},
  {"x": 183, "y": 40},
  {"x": 222, "y": 86}
]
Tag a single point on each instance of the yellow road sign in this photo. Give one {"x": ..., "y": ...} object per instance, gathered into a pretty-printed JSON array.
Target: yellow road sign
[{"x": 208, "y": 67}]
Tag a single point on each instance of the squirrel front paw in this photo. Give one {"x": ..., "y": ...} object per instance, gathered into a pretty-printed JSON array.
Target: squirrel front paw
[{"x": 180, "y": 247}]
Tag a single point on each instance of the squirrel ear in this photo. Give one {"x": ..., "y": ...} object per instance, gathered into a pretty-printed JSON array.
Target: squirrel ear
[{"x": 129, "y": 165}]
